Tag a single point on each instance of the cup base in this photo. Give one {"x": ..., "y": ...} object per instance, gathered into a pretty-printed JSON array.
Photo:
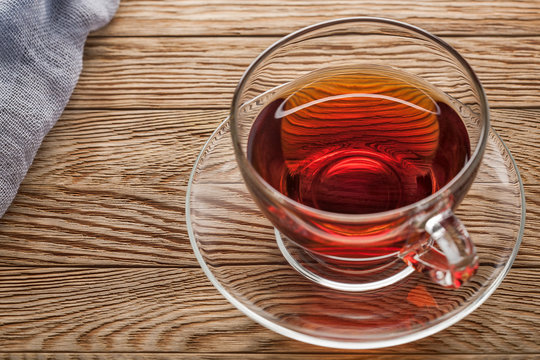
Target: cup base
[{"x": 349, "y": 275}]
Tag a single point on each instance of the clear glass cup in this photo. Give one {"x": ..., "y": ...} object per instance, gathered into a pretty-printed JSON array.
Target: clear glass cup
[{"x": 425, "y": 235}]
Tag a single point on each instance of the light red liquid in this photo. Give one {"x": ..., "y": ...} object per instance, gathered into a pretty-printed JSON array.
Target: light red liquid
[{"x": 358, "y": 141}]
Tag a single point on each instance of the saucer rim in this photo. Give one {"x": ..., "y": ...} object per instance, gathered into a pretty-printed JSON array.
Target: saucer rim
[{"x": 353, "y": 345}]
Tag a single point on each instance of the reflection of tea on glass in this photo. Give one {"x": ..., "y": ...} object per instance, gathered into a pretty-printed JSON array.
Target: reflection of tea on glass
[{"x": 358, "y": 140}]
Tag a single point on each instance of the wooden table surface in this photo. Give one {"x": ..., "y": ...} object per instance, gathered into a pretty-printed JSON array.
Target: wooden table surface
[{"x": 95, "y": 260}]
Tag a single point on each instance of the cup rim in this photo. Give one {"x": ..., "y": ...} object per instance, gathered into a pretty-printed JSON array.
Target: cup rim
[{"x": 249, "y": 171}]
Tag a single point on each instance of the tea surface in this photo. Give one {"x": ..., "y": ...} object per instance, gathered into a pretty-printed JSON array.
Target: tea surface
[{"x": 358, "y": 140}]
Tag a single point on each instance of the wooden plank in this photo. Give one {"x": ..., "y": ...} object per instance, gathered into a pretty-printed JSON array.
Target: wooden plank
[
  {"x": 131, "y": 226},
  {"x": 252, "y": 356},
  {"x": 123, "y": 147},
  {"x": 175, "y": 310},
  {"x": 520, "y": 130},
  {"x": 165, "y": 72},
  {"x": 160, "y": 146},
  {"x": 110, "y": 225},
  {"x": 266, "y": 17}
]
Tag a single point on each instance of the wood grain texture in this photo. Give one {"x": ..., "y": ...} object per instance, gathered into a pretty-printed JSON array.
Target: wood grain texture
[
  {"x": 520, "y": 130},
  {"x": 95, "y": 261},
  {"x": 123, "y": 147},
  {"x": 159, "y": 147},
  {"x": 266, "y": 17},
  {"x": 142, "y": 226},
  {"x": 126, "y": 310},
  {"x": 169, "y": 72},
  {"x": 117, "y": 196},
  {"x": 252, "y": 356},
  {"x": 128, "y": 226}
]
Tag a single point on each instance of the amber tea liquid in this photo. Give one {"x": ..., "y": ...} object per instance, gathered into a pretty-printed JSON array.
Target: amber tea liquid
[{"x": 358, "y": 140}]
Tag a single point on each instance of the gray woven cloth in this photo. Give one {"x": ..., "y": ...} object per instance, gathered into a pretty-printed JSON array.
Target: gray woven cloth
[{"x": 41, "y": 46}]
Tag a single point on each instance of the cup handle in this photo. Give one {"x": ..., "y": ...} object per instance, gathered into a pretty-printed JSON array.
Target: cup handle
[{"x": 450, "y": 257}]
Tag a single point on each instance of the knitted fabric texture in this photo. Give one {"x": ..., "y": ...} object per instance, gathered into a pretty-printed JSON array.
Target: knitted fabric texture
[{"x": 41, "y": 47}]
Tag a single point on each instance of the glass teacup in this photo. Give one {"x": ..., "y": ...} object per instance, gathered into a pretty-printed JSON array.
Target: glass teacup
[{"x": 359, "y": 193}]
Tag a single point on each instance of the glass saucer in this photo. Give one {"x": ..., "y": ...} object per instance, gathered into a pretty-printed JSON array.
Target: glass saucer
[{"x": 237, "y": 249}]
